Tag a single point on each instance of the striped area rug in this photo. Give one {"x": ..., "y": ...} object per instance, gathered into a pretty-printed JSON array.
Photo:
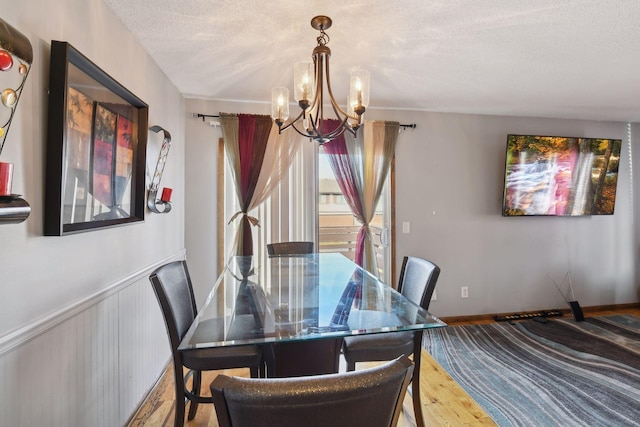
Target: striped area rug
[{"x": 561, "y": 373}]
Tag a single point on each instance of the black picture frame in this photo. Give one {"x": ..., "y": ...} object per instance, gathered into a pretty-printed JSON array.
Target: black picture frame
[{"x": 96, "y": 147}]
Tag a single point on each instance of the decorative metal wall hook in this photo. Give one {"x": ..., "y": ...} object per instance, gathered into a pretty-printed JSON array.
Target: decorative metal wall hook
[
  {"x": 16, "y": 56},
  {"x": 162, "y": 205}
]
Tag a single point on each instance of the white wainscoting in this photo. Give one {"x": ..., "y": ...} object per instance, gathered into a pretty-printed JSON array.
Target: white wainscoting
[{"x": 89, "y": 364}]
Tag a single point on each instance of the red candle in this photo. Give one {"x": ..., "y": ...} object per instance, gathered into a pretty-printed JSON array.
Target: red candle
[
  {"x": 6, "y": 178},
  {"x": 166, "y": 194}
]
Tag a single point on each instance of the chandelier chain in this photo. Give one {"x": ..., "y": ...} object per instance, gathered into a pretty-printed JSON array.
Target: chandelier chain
[{"x": 323, "y": 38}]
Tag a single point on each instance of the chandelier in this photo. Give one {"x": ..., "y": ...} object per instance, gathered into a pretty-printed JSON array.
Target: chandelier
[{"x": 309, "y": 90}]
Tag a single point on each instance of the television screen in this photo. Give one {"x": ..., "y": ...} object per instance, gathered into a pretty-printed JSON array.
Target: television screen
[{"x": 560, "y": 176}]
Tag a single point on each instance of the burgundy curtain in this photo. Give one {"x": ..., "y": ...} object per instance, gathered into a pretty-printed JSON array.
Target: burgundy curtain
[{"x": 245, "y": 138}]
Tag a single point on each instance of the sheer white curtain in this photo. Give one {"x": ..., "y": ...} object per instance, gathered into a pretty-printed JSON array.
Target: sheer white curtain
[
  {"x": 361, "y": 166},
  {"x": 290, "y": 212},
  {"x": 375, "y": 151}
]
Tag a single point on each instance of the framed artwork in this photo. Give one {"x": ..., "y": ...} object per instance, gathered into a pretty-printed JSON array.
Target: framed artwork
[{"x": 97, "y": 137}]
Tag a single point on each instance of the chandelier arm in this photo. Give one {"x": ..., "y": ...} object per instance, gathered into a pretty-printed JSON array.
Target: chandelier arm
[
  {"x": 316, "y": 133},
  {"x": 337, "y": 109},
  {"x": 351, "y": 130},
  {"x": 321, "y": 61},
  {"x": 305, "y": 133},
  {"x": 334, "y": 104},
  {"x": 320, "y": 55},
  {"x": 292, "y": 121},
  {"x": 317, "y": 95},
  {"x": 317, "y": 98},
  {"x": 339, "y": 130}
]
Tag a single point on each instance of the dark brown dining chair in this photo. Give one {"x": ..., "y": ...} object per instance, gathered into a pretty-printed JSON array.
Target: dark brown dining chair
[
  {"x": 172, "y": 285},
  {"x": 418, "y": 279},
  {"x": 292, "y": 359},
  {"x": 370, "y": 397},
  {"x": 289, "y": 248}
]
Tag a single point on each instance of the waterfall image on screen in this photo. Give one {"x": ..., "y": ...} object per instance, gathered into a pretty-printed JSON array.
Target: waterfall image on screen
[{"x": 560, "y": 176}]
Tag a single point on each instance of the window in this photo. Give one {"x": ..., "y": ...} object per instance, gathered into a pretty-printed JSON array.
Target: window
[{"x": 308, "y": 205}]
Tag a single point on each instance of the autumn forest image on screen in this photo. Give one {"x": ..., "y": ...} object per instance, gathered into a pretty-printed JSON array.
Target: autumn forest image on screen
[{"x": 562, "y": 176}]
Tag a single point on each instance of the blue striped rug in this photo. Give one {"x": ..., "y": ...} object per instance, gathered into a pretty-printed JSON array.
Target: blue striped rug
[{"x": 562, "y": 373}]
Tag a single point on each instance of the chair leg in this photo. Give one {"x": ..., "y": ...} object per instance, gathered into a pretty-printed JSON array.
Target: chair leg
[
  {"x": 351, "y": 366},
  {"x": 256, "y": 372},
  {"x": 415, "y": 380},
  {"x": 195, "y": 389},
  {"x": 178, "y": 376}
]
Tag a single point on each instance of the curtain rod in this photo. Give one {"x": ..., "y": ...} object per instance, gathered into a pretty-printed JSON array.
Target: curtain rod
[{"x": 204, "y": 116}]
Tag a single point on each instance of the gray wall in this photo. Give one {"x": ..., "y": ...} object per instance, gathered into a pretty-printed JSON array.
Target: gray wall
[
  {"x": 43, "y": 274},
  {"x": 449, "y": 181},
  {"x": 450, "y": 174},
  {"x": 81, "y": 335}
]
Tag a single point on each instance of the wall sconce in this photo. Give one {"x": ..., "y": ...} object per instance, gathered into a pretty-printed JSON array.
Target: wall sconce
[
  {"x": 16, "y": 56},
  {"x": 162, "y": 205}
]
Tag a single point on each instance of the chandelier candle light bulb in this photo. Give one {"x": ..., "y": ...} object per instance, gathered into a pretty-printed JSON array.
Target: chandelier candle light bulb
[
  {"x": 359, "y": 90},
  {"x": 280, "y": 104},
  {"x": 305, "y": 86},
  {"x": 302, "y": 80}
]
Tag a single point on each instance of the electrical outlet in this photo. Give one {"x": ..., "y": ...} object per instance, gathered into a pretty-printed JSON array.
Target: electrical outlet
[
  {"x": 434, "y": 297},
  {"x": 406, "y": 227},
  {"x": 464, "y": 292}
]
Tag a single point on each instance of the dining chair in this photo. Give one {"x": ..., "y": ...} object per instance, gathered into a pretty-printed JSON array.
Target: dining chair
[
  {"x": 371, "y": 397},
  {"x": 289, "y": 248},
  {"x": 292, "y": 359},
  {"x": 418, "y": 278},
  {"x": 172, "y": 285}
]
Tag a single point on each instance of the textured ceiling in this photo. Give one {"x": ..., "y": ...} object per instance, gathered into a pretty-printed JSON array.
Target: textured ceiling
[{"x": 544, "y": 58}]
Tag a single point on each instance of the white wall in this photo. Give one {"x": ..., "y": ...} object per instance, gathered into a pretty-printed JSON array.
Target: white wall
[
  {"x": 69, "y": 321},
  {"x": 449, "y": 183}
]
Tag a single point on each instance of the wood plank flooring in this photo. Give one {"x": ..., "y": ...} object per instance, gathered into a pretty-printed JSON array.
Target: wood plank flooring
[{"x": 444, "y": 402}]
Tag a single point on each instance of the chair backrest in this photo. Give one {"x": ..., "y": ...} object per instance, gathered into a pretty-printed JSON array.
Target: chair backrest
[
  {"x": 172, "y": 285},
  {"x": 371, "y": 397},
  {"x": 418, "y": 279},
  {"x": 289, "y": 248}
]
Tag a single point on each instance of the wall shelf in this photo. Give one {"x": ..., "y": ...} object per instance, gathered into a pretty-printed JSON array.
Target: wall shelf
[{"x": 13, "y": 210}]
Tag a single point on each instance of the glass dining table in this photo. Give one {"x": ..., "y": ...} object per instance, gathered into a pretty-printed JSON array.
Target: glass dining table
[{"x": 299, "y": 308}]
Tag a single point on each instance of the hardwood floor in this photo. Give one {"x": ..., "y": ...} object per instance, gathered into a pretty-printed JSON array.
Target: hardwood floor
[{"x": 444, "y": 402}]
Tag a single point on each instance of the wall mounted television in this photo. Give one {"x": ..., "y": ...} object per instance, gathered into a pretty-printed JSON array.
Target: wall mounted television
[{"x": 560, "y": 176}]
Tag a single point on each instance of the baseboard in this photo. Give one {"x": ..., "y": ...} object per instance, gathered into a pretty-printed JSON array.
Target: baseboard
[
  {"x": 39, "y": 326},
  {"x": 451, "y": 320},
  {"x": 147, "y": 395}
]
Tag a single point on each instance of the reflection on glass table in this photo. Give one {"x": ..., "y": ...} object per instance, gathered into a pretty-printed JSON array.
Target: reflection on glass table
[{"x": 300, "y": 298}]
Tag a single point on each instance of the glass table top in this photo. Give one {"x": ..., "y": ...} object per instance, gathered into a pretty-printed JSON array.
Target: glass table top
[{"x": 300, "y": 298}]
